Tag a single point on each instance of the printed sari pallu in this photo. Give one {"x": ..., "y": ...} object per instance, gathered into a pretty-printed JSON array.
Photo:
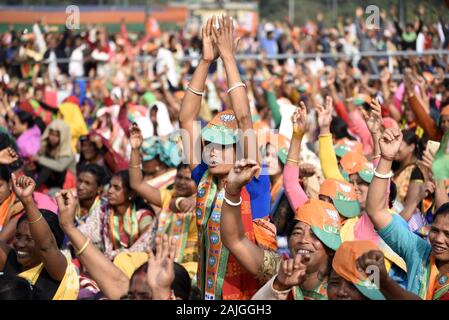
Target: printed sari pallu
[{"x": 220, "y": 276}]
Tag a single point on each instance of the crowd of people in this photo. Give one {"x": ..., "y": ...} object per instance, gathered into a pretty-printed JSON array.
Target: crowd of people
[{"x": 129, "y": 172}]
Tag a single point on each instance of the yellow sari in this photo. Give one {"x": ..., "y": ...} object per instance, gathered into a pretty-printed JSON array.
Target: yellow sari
[{"x": 68, "y": 288}]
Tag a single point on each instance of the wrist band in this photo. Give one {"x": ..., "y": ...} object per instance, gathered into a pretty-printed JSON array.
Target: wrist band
[
  {"x": 292, "y": 160},
  {"x": 177, "y": 202},
  {"x": 232, "y": 204},
  {"x": 238, "y": 84},
  {"x": 40, "y": 217},
  {"x": 383, "y": 176},
  {"x": 81, "y": 251},
  {"x": 387, "y": 158},
  {"x": 135, "y": 166},
  {"x": 197, "y": 92}
]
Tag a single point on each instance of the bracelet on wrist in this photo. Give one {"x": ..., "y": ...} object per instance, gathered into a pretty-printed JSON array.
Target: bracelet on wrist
[
  {"x": 383, "y": 176},
  {"x": 229, "y": 202},
  {"x": 387, "y": 157}
]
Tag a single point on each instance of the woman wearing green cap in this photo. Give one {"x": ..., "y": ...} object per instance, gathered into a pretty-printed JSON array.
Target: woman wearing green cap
[
  {"x": 220, "y": 276},
  {"x": 427, "y": 261},
  {"x": 357, "y": 272},
  {"x": 314, "y": 232},
  {"x": 356, "y": 169}
]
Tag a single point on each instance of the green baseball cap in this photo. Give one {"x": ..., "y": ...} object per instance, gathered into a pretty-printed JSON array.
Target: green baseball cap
[{"x": 222, "y": 129}]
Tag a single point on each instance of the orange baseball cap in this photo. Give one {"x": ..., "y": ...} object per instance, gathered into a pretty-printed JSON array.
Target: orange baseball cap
[
  {"x": 222, "y": 129},
  {"x": 345, "y": 145},
  {"x": 354, "y": 162},
  {"x": 323, "y": 219},
  {"x": 343, "y": 197},
  {"x": 344, "y": 264},
  {"x": 362, "y": 98},
  {"x": 282, "y": 143},
  {"x": 445, "y": 111}
]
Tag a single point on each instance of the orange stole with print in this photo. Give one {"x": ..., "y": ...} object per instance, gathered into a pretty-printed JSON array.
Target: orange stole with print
[{"x": 220, "y": 276}]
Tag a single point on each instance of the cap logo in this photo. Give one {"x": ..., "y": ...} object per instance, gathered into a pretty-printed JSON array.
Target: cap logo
[
  {"x": 344, "y": 187},
  {"x": 227, "y": 117}
]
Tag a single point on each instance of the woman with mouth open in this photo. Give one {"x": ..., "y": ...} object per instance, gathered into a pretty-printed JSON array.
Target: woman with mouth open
[
  {"x": 219, "y": 275},
  {"x": 427, "y": 262},
  {"x": 35, "y": 254}
]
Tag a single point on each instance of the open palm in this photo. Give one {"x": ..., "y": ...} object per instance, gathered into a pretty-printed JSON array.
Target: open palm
[
  {"x": 325, "y": 113},
  {"x": 135, "y": 138},
  {"x": 210, "y": 51},
  {"x": 161, "y": 271}
]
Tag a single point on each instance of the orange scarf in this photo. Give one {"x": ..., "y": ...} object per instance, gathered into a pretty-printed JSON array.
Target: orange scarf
[
  {"x": 438, "y": 285},
  {"x": 5, "y": 209}
]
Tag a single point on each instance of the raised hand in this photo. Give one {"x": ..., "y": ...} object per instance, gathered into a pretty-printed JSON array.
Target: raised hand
[
  {"x": 8, "y": 156},
  {"x": 372, "y": 261},
  {"x": 373, "y": 119},
  {"x": 187, "y": 205},
  {"x": 427, "y": 189},
  {"x": 135, "y": 136},
  {"x": 390, "y": 142},
  {"x": 210, "y": 51},
  {"x": 291, "y": 273},
  {"x": 224, "y": 37},
  {"x": 161, "y": 270},
  {"x": 299, "y": 119},
  {"x": 325, "y": 115},
  {"x": 242, "y": 173},
  {"x": 23, "y": 187},
  {"x": 67, "y": 208},
  {"x": 306, "y": 170}
]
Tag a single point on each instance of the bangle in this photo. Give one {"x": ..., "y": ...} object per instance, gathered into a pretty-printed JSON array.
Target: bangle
[
  {"x": 383, "y": 176},
  {"x": 40, "y": 217},
  {"x": 375, "y": 157},
  {"x": 232, "y": 204},
  {"x": 387, "y": 157},
  {"x": 292, "y": 160},
  {"x": 81, "y": 251},
  {"x": 137, "y": 166},
  {"x": 195, "y": 91},
  {"x": 238, "y": 84},
  {"x": 177, "y": 202}
]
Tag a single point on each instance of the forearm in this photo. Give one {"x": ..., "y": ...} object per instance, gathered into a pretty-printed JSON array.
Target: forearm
[
  {"x": 40, "y": 231},
  {"x": 376, "y": 201},
  {"x": 239, "y": 97},
  {"x": 328, "y": 159},
  {"x": 112, "y": 282},
  {"x": 412, "y": 200},
  {"x": 423, "y": 119},
  {"x": 192, "y": 102},
  {"x": 393, "y": 291},
  {"x": 143, "y": 189},
  {"x": 293, "y": 190},
  {"x": 248, "y": 254},
  {"x": 274, "y": 107}
]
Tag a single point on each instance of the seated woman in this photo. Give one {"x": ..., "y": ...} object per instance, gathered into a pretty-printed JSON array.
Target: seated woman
[
  {"x": 96, "y": 149},
  {"x": 27, "y": 133},
  {"x": 35, "y": 254},
  {"x": 129, "y": 277},
  {"x": 177, "y": 217},
  {"x": 55, "y": 157},
  {"x": 123, "y": 223},
  {"x": 89, "y": 190},
  {"x": 348, "y": 275}
]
